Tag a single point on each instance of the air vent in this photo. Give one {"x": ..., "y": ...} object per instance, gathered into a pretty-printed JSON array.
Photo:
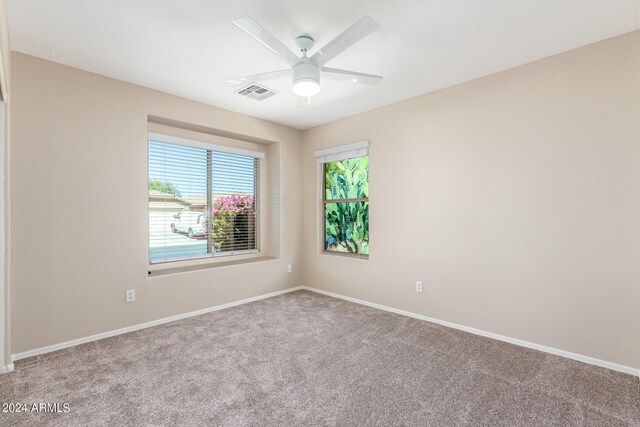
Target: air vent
[{"x": 257, "y": 92}]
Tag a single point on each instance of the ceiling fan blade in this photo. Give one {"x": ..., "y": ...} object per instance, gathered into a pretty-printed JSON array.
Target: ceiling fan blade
[
  {"x": 237, "y": 81},
  {"x": 350, "y": 76},
  {"x": 254, "y": 29},
  {"x": 356, "y": 32}
]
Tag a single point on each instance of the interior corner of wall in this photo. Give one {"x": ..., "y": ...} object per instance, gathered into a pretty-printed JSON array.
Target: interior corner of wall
[{"x": 274, "y": 193}]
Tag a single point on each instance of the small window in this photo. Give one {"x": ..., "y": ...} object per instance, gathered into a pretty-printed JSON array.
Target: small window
[
  {"x": 202, "y": 202},
  {"x": 346, "y": 206}
]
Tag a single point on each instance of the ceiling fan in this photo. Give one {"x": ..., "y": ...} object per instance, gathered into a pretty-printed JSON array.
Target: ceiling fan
[{"x": 305, "y": 70}]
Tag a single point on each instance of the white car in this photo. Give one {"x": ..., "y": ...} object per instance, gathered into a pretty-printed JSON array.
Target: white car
[{"x": 190, "y": 222}]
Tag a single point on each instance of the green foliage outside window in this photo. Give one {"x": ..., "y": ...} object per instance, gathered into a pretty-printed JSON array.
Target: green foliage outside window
[
  {"x": 346, "y": 208},
  {"x": 164, "y": 187}
]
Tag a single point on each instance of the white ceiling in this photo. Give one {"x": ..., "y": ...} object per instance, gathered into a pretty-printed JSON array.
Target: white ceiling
[{"x": 189, "y": 47}]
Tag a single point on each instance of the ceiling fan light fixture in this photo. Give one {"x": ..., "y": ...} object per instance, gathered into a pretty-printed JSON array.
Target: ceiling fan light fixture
[
  {"x": 306, "y": 87},
  {"x": 306, "y": 78}
]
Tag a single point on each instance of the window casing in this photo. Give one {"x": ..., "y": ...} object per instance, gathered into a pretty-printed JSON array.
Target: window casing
[
  {"x": 345, "y": 200},
  {"x": 203, "y": 200}
]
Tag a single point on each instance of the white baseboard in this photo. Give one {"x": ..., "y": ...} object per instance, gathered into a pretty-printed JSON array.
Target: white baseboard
[
  {"x": 522, "y": 343},
  {"x": 6, "y": 369},
  {"x": 72, "y": 343},
  {"x": 575, "y": 356}
]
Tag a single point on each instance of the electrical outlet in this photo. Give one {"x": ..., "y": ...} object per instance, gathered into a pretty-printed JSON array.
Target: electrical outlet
[
  {"x": 130, "y": 295},
  {"x": 418, "y": 286},
  {"x": 289, "y": 268}
]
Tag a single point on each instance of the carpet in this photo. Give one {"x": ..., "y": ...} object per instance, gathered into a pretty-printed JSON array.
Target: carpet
[{"x": 308, "y": 359}]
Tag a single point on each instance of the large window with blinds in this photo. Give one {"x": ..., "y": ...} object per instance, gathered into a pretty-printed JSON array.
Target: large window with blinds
[{"x": 203, "y": 200}]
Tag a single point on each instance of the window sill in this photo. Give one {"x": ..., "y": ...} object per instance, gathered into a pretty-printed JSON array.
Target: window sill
[
  {"x": 170, "y": 268},
  {"x": 345, "y": 255}
]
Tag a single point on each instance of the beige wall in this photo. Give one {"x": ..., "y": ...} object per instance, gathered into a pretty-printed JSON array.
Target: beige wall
[
  {"x": 514, "y": 198},
  {"x": 79, "y": 207}
]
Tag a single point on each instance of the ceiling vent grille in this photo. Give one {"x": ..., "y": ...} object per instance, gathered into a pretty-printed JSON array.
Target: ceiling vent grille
[{"x": 256, "y": 91}]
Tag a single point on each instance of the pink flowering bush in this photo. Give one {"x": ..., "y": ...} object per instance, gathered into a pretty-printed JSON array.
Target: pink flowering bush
[
  {"x": 234, "y": 203},
  {"x": 233, "y": 217}
]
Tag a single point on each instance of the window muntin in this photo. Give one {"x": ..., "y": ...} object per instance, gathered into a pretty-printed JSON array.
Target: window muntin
[
  {"x": 202, "y": 202},
  {"x": 346, "y": 206}
]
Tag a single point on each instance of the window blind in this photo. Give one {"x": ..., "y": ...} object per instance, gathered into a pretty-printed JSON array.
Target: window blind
[
  {"x": 202, "y": 202},
  {"x": 343, "y": 152}
]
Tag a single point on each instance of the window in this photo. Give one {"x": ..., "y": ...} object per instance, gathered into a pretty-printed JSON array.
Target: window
[
  {"x": 345, "y": 201},
  {"x": 202, "y": 202}
]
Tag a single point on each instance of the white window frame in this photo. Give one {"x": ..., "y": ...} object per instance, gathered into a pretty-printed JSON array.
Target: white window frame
[
  {"x": 226, "y": 145},
  {"x": 334, "y": 154}
]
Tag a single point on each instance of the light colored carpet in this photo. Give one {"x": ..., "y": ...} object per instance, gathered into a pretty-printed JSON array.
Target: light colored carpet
[{"x": 307, "y": 359}]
